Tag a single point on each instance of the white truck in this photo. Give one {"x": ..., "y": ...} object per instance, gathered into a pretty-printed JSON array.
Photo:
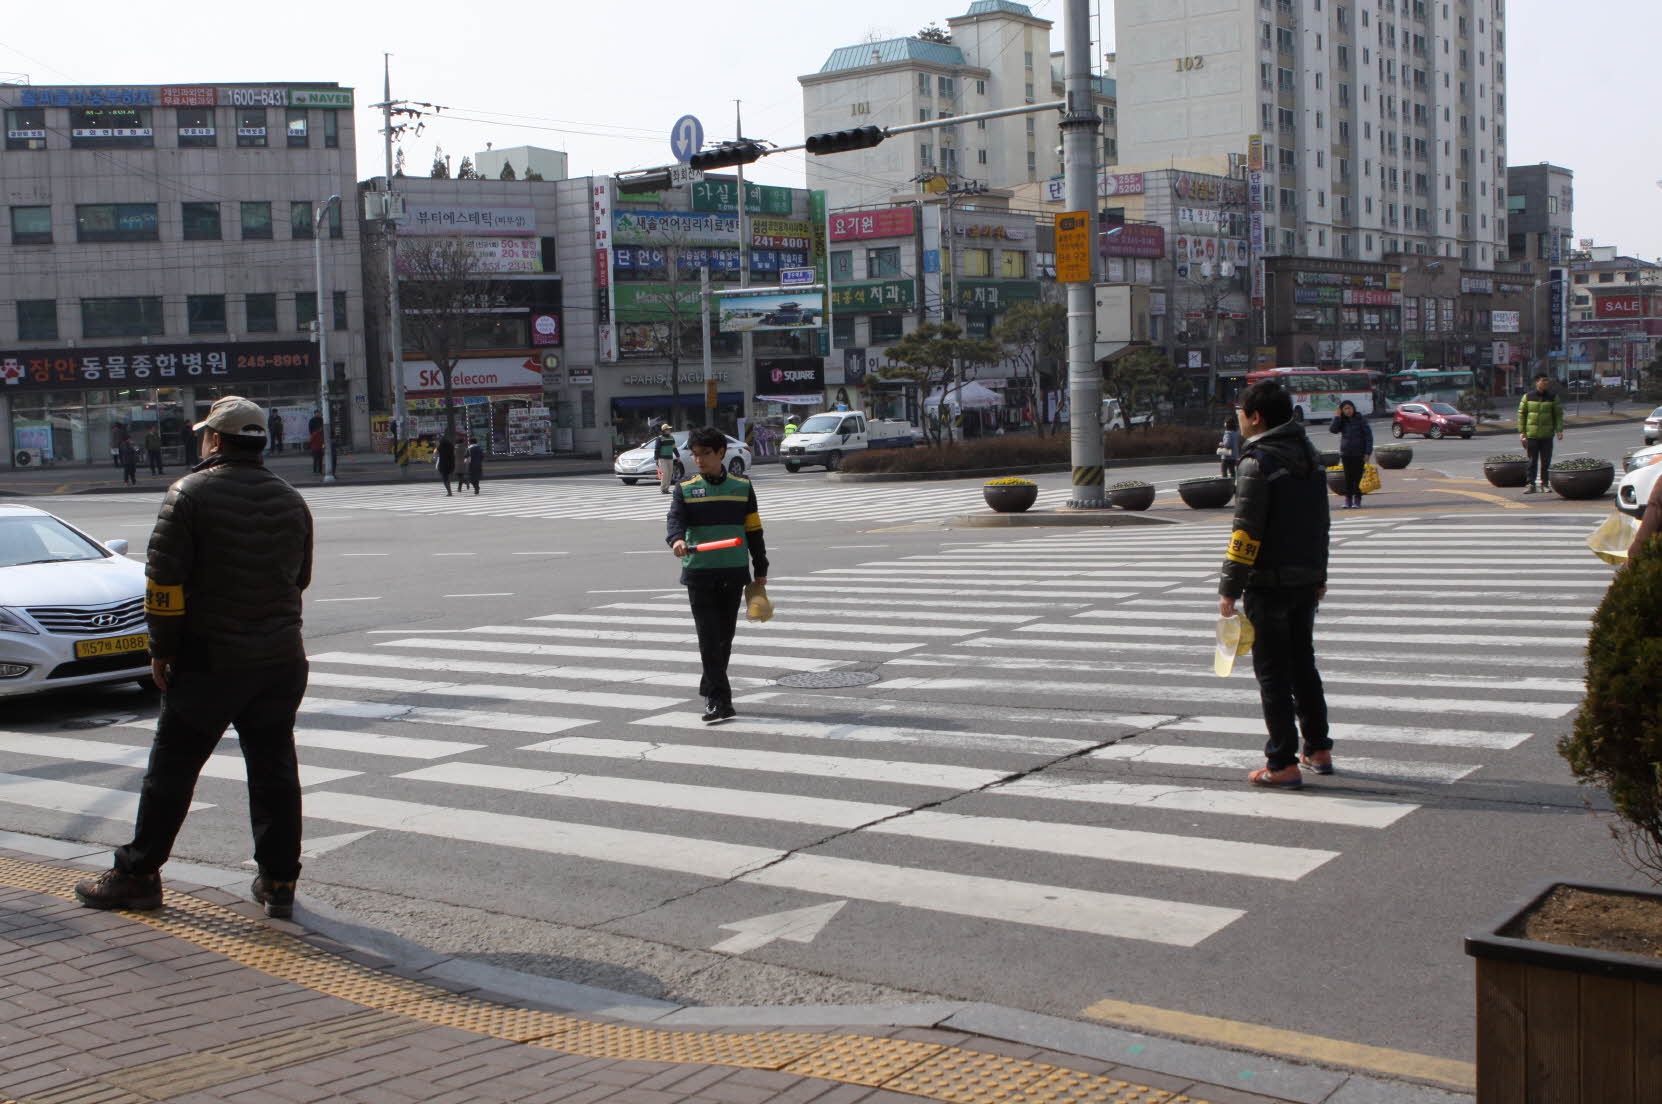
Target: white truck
[{"x": 824, "y": 439}]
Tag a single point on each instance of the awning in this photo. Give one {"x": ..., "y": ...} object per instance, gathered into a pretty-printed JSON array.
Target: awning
[
  {"x": 688, "y": 399},
  {"x": 816, "y": 399},
  {"x": 970, "y": 394}
]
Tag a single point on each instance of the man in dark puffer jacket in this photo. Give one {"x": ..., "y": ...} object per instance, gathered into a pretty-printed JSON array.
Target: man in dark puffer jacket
[{"x": 229, "y": 558}]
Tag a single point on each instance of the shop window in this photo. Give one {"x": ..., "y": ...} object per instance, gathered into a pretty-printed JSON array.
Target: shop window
[
  {"x": 882, "y": 262},
  {"x": 251, "y": 127},
  {"x": 339, "y": 300},
  {"x": 200, "y": 221},
  {"x": 300, "y": 219},
  {"x": 976, "y": 262},
  {"x": 842, "y": 264},
  {"x": 110, "y": 128},
  {"x": 256, "y": 221},
  {"x": 299, "y": 130},
  {"x": 886, "y": 329},
  {"x": 331, "y": 130},
  {"x": 37, "y": 320},
  {"x": 106, "y": 222},
  {"x": 26, "y": 128},
  {"x": 260, "y": 312},
  {"x": 125, "y": 316},
  {"x": 842, "y": 331},
  {"x": 31, "y": 225},
  {"x": 305, "y": 310},
  {"x": 206, "y": 313},
  {"x": 195, "y": 127},
  {"x": 1012, "y": 266}
]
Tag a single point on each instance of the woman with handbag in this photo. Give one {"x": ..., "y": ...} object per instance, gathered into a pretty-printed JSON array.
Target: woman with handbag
[
  {"x": 1229, "y": 447},
  {"x": 1355, "y": 449}
]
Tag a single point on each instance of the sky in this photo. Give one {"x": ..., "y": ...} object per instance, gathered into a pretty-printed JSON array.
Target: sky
[{"x": 605, "y": 82}]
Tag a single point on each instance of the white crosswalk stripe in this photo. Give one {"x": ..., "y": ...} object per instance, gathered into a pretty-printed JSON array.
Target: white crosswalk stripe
[{"x": 1044, "y": 718}]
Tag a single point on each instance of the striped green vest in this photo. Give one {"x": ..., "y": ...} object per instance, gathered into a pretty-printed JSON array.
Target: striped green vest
[{"x": 716, "y": 513}]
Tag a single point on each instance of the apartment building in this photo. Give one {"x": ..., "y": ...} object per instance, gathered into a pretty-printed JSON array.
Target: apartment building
[
  {"x": 999, "y": 55},
  {"x": 1379, "y": 126},
  {"x": 160, "y": 255}
]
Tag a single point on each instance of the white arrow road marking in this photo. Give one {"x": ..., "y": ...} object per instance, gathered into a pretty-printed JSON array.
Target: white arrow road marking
[{"x": 801, "y": 925}]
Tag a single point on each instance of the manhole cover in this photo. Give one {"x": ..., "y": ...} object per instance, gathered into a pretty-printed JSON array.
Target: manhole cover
[{"x": 827, "y": 680}]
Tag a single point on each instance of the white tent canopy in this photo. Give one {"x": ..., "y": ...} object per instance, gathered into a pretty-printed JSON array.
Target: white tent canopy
[{"x": 970, "y": 395}]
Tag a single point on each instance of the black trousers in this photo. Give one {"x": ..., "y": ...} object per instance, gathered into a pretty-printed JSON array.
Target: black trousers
[
  {"x": 1353, "y": 473},
  {"x": 317, "y": 461},
  {"x": 1539, "y": 451},
  {"x": 1284, "y": 659},
  {"x": 155, "y": 458},
  {"x": 715, "y": 610},
  {"x": 196, "y": 710}
]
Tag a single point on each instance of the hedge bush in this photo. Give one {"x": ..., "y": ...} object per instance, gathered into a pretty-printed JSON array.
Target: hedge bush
[
  {"x": 1025, "y": 450},
  {"x": 1617, "y": 741}
]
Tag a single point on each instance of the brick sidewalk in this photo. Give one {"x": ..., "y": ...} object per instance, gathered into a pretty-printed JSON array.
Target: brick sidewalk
[{"x": 208, "y": 1001}]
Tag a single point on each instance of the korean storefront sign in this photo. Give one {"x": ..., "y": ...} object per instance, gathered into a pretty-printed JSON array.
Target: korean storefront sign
[
  {"x": 766, "y": 233},
  {"x": 545, "y": 329},
  {"x": 254, "y": 97},
  {"x": 1369, "y": 297},
  {"x": 476, "y": 374},
  {"x": 156, "y": 365},
  {"x": 470, "y": 219},
  {"x": 874, "y": 295},
  {"x": 1618, "y": 306},
  {"x": 1202, "y": 188},
  {"x": 1135, "y": 240},
  {"x": 890, "y": 222},
  {"x": 722, "y": 195},
  {"x": 187, "y": 95},
  {"x": 666, "y": 227},
  {"x": 790, "y": 376},
  {"x": 994, "y": 296},
  {"x": 600, "y": 212},
  {"x": 320, "y": 97},
  {"x": 1505, "y": 321},
  {"x": 86, "y": 97},
  {"x": 656, "y": 302},
  {"x": 494, "y": 256},
  {"x": 1107, "y": 184},
  {"x": 1476, "y": 285},
  {"x": 1557, "y": 309},
  {"x": 1255, "y": 152}
]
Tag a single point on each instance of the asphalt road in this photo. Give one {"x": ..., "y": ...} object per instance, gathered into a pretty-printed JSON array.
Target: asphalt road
[{"x": 1037, "y": 802}]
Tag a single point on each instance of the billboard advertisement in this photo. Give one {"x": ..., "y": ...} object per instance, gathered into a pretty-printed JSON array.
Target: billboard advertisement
[
  {"x": 891, "y": 222},
  {"x": 472, "y": 219},
  {"x": 494, "y": 256},
  {"x": 476, "y": 374},
  {"x": 793, "y": 310},
  {"x": 1504, "y": 321},
  {"x": 1619, "y": 306},
  {"x": 1135, "y": 240}
]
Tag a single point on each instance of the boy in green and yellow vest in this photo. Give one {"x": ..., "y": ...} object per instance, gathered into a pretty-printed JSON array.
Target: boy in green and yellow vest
[
  {"x": 715, "y": 506},
  {"x": 1540, "y": 419}
]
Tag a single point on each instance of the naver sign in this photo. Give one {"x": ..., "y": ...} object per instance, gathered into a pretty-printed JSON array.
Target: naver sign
[{"x": 320, "y": 97}]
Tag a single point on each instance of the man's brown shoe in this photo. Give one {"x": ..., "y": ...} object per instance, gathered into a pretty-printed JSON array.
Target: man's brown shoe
[
  {"x": 114, "y": 889},
  {"x": 277, "y": 897}
]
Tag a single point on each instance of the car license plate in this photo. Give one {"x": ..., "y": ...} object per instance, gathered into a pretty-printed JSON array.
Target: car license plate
[
  {"x": 112, "y": 645},
  {"x": 794, "y": 449}
]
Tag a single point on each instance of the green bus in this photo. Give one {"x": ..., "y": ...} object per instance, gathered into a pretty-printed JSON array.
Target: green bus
[{"x": 1427, "y": 385}]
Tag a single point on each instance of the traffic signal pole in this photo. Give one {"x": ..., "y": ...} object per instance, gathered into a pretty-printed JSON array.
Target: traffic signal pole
[{"x": 1080, "y": 125}]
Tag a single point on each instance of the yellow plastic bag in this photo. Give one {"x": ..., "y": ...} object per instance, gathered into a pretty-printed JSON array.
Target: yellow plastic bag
[
  {"x": 1370, "y": 480},
  {"x": 758, "y": 606},
  {"x": 1610, "y": 541},
  {"x": 1235, "y": 638}
]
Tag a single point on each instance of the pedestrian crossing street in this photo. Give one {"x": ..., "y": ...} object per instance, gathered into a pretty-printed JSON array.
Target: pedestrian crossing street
[
  {"x": 782, "y": 498},
  {"x": 1043, "y": 704}
]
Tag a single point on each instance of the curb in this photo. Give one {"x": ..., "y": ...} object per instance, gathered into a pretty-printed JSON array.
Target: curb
[
  {"x": 1275, "y": 1077},
  {"x": 977, "y": 473}
]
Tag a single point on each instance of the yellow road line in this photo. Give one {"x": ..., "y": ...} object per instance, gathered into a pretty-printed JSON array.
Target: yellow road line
[
  {"x": 1503, "y": 503},
  {"x": 1293, "y": 1044}
]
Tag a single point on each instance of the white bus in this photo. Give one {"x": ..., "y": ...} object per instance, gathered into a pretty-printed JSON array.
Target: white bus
[{"x": 1317, "y": 392}]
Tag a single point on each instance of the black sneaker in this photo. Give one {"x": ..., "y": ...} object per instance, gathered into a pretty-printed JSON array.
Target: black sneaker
[
  {"x": 114, "y": 889},
  {"x": 725, "y": 711},
  {"x": 712, "y": 711},
  {"x": 277, "y": 897}
]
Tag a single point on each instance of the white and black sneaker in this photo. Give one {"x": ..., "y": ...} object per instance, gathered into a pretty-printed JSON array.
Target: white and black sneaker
[{"x": 717, "y": 711}]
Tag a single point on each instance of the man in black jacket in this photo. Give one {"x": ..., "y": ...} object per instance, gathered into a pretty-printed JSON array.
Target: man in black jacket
[
  {"x": 228, "y": 560},
  {"x": 1277, "y": 560}
]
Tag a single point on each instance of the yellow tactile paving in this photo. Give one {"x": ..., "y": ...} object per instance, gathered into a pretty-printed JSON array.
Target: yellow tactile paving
[{"x": 926, "y": 1070}]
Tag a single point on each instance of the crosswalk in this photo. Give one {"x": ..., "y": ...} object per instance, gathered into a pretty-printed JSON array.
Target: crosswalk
[
  {"x": 1044, "y": 744},
  {"x": 782, "y": 497}
]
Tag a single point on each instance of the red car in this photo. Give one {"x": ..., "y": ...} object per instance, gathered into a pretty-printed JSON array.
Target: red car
[{"x": 1434, "y": 419}]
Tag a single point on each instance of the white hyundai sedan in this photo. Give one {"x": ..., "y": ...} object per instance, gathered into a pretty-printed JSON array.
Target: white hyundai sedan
[
  {"x": 71, "y": 608},
  {"x": 640, "y": 462}
]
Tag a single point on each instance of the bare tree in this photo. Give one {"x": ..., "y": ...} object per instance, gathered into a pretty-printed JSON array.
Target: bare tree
[
  {"x": 445, "y": 293},
  {"x": 938, "y": 355},
  {"x": 669, "y": 312},
  {"x": 1034, "y": 335}
]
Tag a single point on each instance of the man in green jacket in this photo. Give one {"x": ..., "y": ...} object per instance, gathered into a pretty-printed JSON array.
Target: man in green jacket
[{"x": 1540, "y": 418}]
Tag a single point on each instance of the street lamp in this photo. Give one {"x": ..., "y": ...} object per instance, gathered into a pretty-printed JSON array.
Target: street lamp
[{"x": 318, "y": 218}]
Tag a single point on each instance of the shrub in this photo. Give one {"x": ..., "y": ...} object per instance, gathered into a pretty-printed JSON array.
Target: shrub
[
  {"x": 1024, "y": 450},
  {"x": 1506, "y": 458},
  {"x": 1129, "y": 484},
  {"x": 1394, "y": 448},
  {"x": 1580, "y": 463},
  {"x": 1204, "y": 478},
  {"x": 1617, "y": 741},
  {"x": 1010, "y": 481}
]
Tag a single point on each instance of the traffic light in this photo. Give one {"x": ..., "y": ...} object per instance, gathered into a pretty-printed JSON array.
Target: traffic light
[
  {"x": 837, "y": 141},
  {"x": 741, "y": 152}
]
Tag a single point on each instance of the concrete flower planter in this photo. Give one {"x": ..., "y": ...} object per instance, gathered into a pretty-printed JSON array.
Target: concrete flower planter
[
  {"x": 1393, "y": 456},
  {"x": 1561, "y": 1023},
  {"x": 1506, "y": 473},
  {"x": 1206, "y": 494},
  {"x": 1010, "y": 498},
  {"x": 1140, "y": 497},
  {"x": 1582, "y": 482}
]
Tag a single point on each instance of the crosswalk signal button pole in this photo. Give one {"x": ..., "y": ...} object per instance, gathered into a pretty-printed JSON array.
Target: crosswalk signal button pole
[{"x": 838, "y": 141}]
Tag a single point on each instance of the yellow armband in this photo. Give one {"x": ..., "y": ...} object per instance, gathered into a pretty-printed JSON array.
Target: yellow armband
[
  {"x": 163, "y": 601},
  {"x": 1242, "y": 548}
]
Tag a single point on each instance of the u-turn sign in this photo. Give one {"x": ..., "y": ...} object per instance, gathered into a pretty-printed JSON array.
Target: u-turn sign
[{"x": 686, "y": 137}]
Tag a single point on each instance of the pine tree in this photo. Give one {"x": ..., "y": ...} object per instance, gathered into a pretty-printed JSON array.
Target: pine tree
[
  {"x": 465, "y": 171},
  {"x": 507, "y": 172},
  {"x": 441, "y": 167}
]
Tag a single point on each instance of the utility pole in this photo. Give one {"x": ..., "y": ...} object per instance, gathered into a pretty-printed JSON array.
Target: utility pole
[
  {"x": 395, "y": 322},
  {"x": 746, "y": 345},
  {"x": 319, "y": 219},
  {"x": 1080, "y": 126}
]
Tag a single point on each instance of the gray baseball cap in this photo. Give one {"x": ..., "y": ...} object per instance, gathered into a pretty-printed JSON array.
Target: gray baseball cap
[{"x": 236, "y": 416}]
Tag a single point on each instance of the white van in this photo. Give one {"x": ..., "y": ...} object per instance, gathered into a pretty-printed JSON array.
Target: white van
[{"x": 824, "y": 439}]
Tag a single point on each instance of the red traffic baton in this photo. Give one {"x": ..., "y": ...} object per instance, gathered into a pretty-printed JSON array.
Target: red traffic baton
[{"x": 712, "y": 546}]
